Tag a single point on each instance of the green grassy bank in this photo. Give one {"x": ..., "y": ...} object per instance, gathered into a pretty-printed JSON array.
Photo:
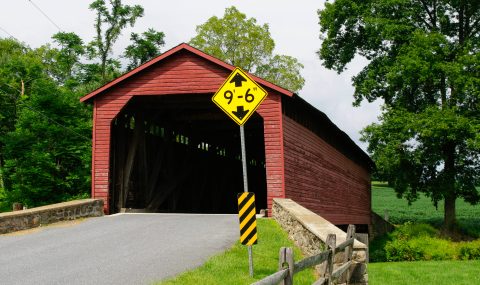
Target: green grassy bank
[
  {"x": 425, "y": 272},
  {"x": 231, "y": 267}
]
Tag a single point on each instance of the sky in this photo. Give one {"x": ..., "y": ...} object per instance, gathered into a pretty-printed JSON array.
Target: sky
[{"x": 293, "y": 26}]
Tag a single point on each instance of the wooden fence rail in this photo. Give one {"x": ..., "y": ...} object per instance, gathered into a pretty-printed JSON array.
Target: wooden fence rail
[{"x": 287, "y": 268}]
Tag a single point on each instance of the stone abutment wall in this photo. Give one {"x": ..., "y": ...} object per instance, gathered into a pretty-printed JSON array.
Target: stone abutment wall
[
  {"x": 309, "y": 232},
  {"x": 35, "y": 217}
]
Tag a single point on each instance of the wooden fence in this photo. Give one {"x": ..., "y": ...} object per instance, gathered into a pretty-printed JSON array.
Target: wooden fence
[{"x": 287, "y": 267}]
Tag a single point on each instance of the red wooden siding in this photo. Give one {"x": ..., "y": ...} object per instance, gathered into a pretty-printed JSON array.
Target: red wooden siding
[
  {"x": 182, "y": 47},
  {"x": 181, "y": 73},
  {"x": 271, "y": 112},
  {"x": 322, "y": 179}
]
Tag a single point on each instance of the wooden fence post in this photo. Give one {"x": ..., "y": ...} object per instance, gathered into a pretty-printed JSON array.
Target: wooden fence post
[
  {"x": 17, "y": 206},
  {"x": 349, "y": 249},
  {"x": 331, "y": 243},
  {"x": 363, "y": 238},
  {"x": 286, "y": 259}
]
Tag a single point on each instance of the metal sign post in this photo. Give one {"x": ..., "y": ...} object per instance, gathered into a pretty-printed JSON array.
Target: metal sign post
[
  {"x": 239, "y": 97},
  {"x": 245, "y": 189}
]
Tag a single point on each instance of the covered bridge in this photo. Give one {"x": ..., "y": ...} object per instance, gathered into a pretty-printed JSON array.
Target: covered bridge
[{"x": 160, "y": 144}]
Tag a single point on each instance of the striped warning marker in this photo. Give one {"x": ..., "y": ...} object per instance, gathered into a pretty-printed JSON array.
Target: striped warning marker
[{"x": 246, "y": 215}]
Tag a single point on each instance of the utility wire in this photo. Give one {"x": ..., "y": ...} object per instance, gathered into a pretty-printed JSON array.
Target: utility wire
[
  {"x": 5, "y": 31},
  {"x": 44, "y": 14},
  {"x": 43, "y": 114}
]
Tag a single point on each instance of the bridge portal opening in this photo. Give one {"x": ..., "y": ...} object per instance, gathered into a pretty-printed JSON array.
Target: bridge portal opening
[{"x": 181, "y": 154}]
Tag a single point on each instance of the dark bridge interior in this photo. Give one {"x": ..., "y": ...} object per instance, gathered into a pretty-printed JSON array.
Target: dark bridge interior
[{"x": 181, "y": 154}]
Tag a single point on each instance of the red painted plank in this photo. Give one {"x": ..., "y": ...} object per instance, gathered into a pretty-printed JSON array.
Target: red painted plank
[{"x": 316, "y": 171}]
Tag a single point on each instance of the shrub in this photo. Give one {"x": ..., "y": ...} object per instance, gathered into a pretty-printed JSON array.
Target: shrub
[
  {"x": 410, "y": 230},
  {"x": 420, "y": 248},
  {"x": 470, "y": 227},
  {"x": 469, "y": 250},
  {"x": 414, "y": 242},
  {"x": 435, "y": 248},
  {"x": 377, "y": 248},
  {"x": 3, "y": 204},
  {"x": 402, "y": 250}
]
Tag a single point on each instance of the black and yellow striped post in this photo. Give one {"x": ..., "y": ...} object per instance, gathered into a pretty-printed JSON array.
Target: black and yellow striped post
[
  {"x": 247, "y": 219},
  {"x": 247, "y": 233}
]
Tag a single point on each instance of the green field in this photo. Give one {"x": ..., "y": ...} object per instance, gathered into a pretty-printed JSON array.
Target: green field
[
  {"x": 425, "y": 272},
  {"x": 422, "y": 210},
  {"x": 231, "y": 267}
]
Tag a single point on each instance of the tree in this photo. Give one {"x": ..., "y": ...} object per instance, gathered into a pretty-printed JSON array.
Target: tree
[
  {"x": 144, "y": 47},
  {"x": 48, "y": 153},
  {"x": 63, "y": 63},
  {"x": 19, "y": 67},
  {"x": 424, "y": 62},
  {"x": 13, "y": 69},
  {"x": 10, "y": 50},
  {"x": 109, "y": 24},
  {"x": 44, "y": 130},
  {"x": 283, "y": 70},
  {"x": 69, "y": 54},
  {"x": 243, "y": 43}
]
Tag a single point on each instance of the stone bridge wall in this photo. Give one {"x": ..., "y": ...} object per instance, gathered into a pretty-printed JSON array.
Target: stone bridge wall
[
  {"x": 309, "y": 232},
  {"x": 34, "y": 217}
]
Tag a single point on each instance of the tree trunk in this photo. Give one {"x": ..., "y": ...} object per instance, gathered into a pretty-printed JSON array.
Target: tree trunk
[
  {"x": 450, "y": 194},
  {"x": 103, "y": 66},
  {"x": 449, "y": 214}
]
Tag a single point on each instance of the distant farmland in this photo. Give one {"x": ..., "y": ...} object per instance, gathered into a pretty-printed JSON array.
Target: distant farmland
[{"x": 422, "y": 210}]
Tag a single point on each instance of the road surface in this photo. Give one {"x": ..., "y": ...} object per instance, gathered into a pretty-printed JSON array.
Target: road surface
[{"x": 118, "y": 249}]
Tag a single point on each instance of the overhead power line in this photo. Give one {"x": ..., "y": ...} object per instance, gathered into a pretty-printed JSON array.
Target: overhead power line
[
  {"x": 5, "y": 31},
  {"x": 41, "y": 113},
  {"x": 44, "y": 14}
]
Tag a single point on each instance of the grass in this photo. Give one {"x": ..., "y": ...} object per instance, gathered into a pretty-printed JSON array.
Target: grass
[
  {"x": 425, "y": 272},
  {"x": 231, "y": 267},
  {"x": 422, "y": 210}
]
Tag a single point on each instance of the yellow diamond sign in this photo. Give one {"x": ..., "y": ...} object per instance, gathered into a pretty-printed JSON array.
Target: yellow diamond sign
[{"x": 239, "y": 96}]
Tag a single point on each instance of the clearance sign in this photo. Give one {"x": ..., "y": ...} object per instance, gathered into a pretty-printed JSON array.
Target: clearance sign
[{"x": 239, "y": 96}]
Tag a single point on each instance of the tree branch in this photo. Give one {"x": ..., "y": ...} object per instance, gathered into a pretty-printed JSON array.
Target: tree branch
[
  {"x": 433, "y": 18},
  {"x": 474, "y": 28},
  {"x": 425, "y": 22},
  {"x": 461, "y": 23}
]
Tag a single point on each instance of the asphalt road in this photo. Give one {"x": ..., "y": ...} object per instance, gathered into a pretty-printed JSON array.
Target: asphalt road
[{"x": 119, "y": 249}]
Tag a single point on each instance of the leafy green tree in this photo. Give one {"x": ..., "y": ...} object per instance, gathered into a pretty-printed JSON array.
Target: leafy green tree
[
  {"x": 48, "y": 153},
  {"x": 63, "y": 62},
  {"x": 235, "y": 39},
  {"x": 44, "y": 130},
  {"x": 110, "y": 21},
  {"x": 424, "y": 62},
  {"x": 144, "y": 47},
  {"x": 283, "y": 70},
  {"x": 242, "y": 42},
  {"x": 12, "y": 71},
  {"x": 19, "y": 67},
  {"x": 68, "y": 57}
]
